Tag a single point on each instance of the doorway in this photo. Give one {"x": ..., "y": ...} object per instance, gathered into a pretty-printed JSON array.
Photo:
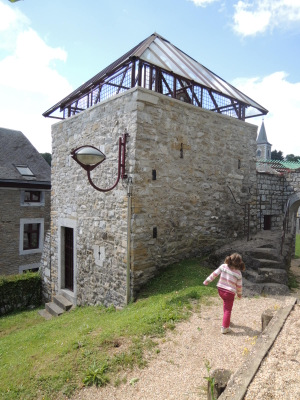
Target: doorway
[
  {"x": 69, "y": 259},
  {"x": 267, "y": 222}
]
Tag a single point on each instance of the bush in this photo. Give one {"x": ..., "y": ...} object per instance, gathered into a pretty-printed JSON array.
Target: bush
[{"x": 18, "y": 292}]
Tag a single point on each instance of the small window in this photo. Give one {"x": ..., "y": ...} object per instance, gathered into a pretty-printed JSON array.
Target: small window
[
  {"x": 24, "y": 170},
  {"x": 31, "y": 196},
  {"x": 29, "y": 268},
  {"x": 31, "y": 236}
]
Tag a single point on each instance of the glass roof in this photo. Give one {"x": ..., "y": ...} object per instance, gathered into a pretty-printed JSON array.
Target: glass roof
[
  {"x": 156, "y": 51},
  {"x": 163, "y": 54}
]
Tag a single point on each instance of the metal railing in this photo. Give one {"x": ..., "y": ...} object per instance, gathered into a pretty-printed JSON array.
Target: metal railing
[
  {"x": 246, "y": 207},
  {"x": 285, "y": 224}
]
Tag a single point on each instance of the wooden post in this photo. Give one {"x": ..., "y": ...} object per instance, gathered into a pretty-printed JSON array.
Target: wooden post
[
  {"x": 221, "y": 378},
  {"x": 266, "y": 317}
]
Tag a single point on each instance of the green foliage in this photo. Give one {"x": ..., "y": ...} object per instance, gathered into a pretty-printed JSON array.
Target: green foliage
[
  {"x": 50, "y": 359},
  {"x": 96, "y": 375},
  {"x": 47, "y": 157},
  {"x": 277, "y": 155},
  {"x": 291, "y": 157},
  {"x": 297, "y": 247},
  {"x": 292, "y": 281},
  {"x": 18, "y": 292},
  {"x": 210, "y": 379}
]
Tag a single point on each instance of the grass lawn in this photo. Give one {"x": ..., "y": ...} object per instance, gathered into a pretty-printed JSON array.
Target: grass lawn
[
  {"x": 42, "y": 359},
  {"x": 297, "y": 248}
]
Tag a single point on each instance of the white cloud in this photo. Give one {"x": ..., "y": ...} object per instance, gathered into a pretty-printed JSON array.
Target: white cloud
[
  {"x": 11, "y": 18},
  {"x": 12, "y": 21},
  {"x": 282, "y": 99},
  {"x": 258, "y": 16},
  {"x": 29, "y": 83},
  {"x": 203, "y": 3}
]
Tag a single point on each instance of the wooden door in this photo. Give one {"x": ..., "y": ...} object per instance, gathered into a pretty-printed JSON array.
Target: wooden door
[{"x": 69, "y": 259}]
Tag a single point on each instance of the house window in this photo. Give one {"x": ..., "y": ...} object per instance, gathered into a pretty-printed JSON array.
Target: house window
[
  {"x": 32, "y": 198},
  {"x": 24, "y": 170},
  {"x": 29, "y": 268},
  {"x": 31, "y": 235}
]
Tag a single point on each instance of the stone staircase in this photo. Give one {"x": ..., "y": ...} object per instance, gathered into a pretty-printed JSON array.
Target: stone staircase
[
  {"x": 266, "y": 273},
  {"x": 266, "y": 268},
  {"x": 58, "y": 306}
]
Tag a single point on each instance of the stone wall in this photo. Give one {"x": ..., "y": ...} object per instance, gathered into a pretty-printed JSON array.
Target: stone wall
[
  {"x": 45, "y": 269},
  {"x": 271, "y": 199},
  {"x": 195, "y": 155},
  {"x": 188, "y": 209},
  {"x": 99, "y": 220},
  {"x": 273, "y": 192},
  {"x": 11, "y": 211}
]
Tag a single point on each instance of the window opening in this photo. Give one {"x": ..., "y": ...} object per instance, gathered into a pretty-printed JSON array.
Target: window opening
[
  {"x": 24, "y": 170},
  {"x": 31, "y": 196},
  {"x": 31, "y": 236}
]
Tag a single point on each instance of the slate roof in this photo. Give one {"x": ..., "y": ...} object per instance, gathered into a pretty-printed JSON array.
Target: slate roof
[
  {"x": 16, "y": 150},
  {"x": 262, "y": 136},
  {"x": 156, "y": 51}
]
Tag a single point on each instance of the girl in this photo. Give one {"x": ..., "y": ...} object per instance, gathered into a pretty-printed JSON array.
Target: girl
[{"x": 230, "y": 284}]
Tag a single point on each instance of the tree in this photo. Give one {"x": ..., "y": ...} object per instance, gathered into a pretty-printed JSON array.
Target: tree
[
  {"x": 47, "y": 157},
  {"x": 276, "y": 155},
  {"x": 291, "y": 157}
]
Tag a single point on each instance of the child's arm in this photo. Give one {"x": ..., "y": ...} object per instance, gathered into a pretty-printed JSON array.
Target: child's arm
[
  {"x": 239, "y": 288},
  {"x": 212, "y": 276}
]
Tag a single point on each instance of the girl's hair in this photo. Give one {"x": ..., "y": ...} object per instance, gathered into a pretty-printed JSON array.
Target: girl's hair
[{"x": 235, "y": 261}]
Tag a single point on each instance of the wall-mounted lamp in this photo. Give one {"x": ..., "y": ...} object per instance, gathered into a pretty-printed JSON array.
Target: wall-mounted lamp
[{"x": 89, "y": 157}]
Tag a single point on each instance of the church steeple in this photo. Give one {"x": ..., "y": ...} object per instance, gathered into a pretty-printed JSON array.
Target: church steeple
[{"x": 263, "y": 146}]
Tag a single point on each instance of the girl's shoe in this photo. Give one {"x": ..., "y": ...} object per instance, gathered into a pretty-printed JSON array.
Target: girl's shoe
[{"x": 225, "y": 330}]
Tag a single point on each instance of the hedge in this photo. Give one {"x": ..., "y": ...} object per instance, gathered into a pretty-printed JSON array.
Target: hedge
[{"x": 18, "y": 292}]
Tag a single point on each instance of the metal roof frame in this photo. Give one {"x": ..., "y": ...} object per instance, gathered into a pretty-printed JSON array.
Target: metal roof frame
[{"x": 157, "y": 65}]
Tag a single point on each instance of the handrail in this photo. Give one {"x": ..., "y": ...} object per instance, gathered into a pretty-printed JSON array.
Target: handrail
[
  {"x": 246, "y": 206},
  {"x": 285, "y": 223}
]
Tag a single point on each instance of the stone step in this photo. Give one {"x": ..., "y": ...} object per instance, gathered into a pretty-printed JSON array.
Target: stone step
[
  {"x": 252, "y": 276},
  {"x": 263, "y": 263},
  {"x": 269, "y": 289},
  {"x": 265, "y": 275},
  {"x": 45, "y": 314},
  {"x": 54, "y": 309},
  {"x": 62, "y": 302},
  {"x": 272, "y": 275},
  {"x": 275, "y": 289},
  {"x": 264, "y": 253}
]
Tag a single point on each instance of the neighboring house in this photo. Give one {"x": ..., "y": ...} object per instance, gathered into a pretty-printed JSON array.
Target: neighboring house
[
  {"x": 263, "y": 146},
  {"x": 190, "y": 170},
  {"x": 24, "y": 203}
]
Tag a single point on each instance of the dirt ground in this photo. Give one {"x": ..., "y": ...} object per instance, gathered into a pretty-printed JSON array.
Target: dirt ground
[{"x": 177, "y": 370}]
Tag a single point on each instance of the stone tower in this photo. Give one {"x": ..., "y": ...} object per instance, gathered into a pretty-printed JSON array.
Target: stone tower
[{"x": 263, "y": 146}]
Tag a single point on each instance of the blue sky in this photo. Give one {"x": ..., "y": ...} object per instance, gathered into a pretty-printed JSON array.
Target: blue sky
[{"x": 48, "y": 48}]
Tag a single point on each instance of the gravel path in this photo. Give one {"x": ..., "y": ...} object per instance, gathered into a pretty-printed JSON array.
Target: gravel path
[
  {"x": 178, "y": 370},
  {"x": 279, "y": 375}
]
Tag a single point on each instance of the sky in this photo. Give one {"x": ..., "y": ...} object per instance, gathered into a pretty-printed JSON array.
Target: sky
[{"x": 50, "y": 47}]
